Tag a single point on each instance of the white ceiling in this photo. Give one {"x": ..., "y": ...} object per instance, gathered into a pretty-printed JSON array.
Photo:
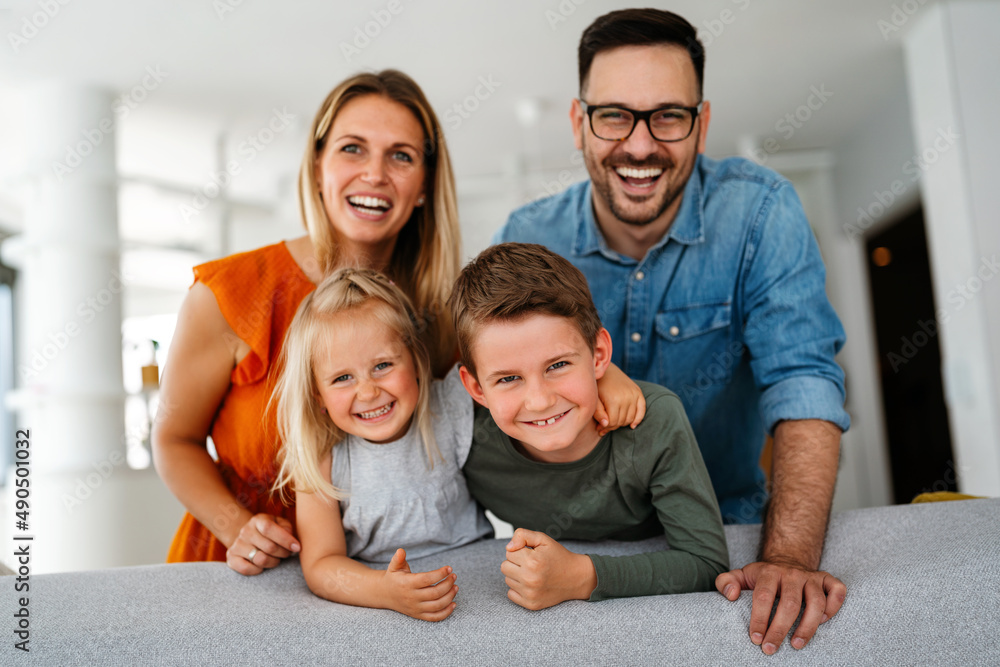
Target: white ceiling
[{"x": 230, "y": 62}]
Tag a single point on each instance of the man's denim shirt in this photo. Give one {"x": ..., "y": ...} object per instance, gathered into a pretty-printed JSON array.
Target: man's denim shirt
[{"x": 729, "y": 310}]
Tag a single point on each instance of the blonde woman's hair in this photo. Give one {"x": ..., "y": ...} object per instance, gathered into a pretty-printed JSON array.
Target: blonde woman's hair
[
  {"x": 426, "y": 258},
  {"x": 306, "y": 432}
]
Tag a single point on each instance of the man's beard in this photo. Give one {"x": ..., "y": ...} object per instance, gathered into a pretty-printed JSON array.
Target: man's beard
[{"x": 604, "y": 189}]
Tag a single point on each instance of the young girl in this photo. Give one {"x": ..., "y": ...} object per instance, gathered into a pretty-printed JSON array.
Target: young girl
[{"x": 373, "y": 449}]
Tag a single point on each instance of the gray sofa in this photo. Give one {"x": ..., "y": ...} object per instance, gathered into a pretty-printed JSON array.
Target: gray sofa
[{"x": 923, "y": 588}]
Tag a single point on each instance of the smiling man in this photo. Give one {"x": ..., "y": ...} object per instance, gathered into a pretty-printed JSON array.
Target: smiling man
[{"x": 709, "y": 280}]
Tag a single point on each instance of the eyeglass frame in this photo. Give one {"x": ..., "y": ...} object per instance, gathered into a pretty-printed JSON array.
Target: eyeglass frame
[{"x": 637, "y": 116}]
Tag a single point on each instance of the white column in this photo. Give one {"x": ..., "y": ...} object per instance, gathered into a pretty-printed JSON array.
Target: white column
[
  {"x": 69, "y": 360},
  {"x": 951, "y": 61}
]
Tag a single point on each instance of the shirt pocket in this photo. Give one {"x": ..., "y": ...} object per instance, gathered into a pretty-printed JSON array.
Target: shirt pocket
[{"x": 693, "y": 339}]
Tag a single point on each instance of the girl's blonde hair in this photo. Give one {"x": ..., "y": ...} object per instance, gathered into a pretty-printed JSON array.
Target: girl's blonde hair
[
  {"x": 306, "y": 432},
  {"x": 426, "y": 258}
]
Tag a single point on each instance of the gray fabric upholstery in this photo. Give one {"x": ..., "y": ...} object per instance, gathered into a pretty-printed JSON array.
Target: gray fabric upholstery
[{"x": 923, "y": 588}]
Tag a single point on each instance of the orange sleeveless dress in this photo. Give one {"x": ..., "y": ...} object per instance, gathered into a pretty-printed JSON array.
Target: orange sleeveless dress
[{"x": 258, "y": 293}]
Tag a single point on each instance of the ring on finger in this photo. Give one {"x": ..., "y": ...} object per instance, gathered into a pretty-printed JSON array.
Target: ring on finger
[{"x": 253, "y": 552}]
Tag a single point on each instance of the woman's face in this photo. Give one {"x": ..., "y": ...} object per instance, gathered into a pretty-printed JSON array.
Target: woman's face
[{"x": 371, "y": 174}]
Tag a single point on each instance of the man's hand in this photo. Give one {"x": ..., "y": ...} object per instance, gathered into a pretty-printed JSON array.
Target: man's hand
[
  {"x": 541, "y": 573},
  {"x": 820, "y": 592},
  {"x": 803, "y": 474},
  {"x": 428, "y": 596}
]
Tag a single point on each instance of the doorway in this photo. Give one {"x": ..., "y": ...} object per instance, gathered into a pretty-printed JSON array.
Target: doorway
[{"x": 916, "y": 417}]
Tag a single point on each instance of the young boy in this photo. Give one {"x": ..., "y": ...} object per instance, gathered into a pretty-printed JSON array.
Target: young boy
[{"x": 533, "y": 349}]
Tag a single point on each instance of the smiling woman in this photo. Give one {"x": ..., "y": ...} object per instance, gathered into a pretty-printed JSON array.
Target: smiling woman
[
  {"x": 378, "y": 162},
  {"x": 375, "y": 190},
  {"x": 370, "y": 176}
]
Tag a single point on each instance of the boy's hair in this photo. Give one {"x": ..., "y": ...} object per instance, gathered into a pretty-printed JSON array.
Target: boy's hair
[
  {"x": 306, "y": 432},
  {"x": 639, "y": 27},
  {"x": 511, "y": 281}
]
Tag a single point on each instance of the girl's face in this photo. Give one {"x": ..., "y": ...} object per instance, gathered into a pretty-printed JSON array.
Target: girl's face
[
  {"x": 367, "y": 378},
  {"x": 371, "y": 173}
]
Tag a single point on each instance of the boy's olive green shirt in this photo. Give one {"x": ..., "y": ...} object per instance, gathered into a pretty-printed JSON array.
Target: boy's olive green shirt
[{"x": 635, "y": 484}]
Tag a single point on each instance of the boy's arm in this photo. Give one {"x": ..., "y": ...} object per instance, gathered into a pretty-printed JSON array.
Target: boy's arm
[
  {"x": 666, "y": 461},
  {"x": 666, "y": 458},
  {"x": 332, "y": 575}
]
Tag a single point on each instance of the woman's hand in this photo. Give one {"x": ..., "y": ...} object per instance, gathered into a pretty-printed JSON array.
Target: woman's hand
[
  {"x": 263, "y": 542},
  {"x": 621, "y": 401}
]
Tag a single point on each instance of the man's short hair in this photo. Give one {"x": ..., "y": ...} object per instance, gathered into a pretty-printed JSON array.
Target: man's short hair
[
  {"x": 639, "y": 27},
  {"x": 511, "y": 281}
]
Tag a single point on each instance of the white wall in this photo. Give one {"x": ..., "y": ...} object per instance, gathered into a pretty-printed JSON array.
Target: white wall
[
  {"x": 952, "y": 55},
  {"x": 863, "y": 479},
  {"x": 871, "y": 189}
]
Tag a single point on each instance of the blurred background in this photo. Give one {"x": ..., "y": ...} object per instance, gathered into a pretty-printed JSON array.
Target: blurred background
[{"x": 139, "y": 139}]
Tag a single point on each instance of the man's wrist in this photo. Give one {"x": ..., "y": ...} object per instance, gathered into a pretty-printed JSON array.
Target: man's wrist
[
  {"x": 786, "y": 561},
  {"x": 779, "y": 551}
]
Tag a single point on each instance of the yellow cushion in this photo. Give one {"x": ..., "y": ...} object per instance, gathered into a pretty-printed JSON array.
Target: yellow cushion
[{"x": 938, "y": 496}]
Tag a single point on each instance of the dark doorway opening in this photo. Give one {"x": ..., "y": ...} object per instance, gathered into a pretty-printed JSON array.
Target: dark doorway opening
[{"x": 910, "y": 359}]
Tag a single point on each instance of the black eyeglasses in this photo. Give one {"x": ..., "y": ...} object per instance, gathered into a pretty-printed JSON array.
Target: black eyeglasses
[{"x": 670, "y": 123}]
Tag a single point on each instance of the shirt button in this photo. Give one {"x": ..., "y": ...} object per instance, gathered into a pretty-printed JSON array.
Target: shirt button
[
  {"x": 636, "y": 337},
  {"x": 639, "y": 275},
  {"x": 674, "y": 331}
]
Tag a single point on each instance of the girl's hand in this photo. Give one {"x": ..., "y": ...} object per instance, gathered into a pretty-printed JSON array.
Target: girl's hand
[
  {"x": 620, "y": 403},
  {"x": 263, "y": 542},
  {"x": 428, "y": 596}
]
